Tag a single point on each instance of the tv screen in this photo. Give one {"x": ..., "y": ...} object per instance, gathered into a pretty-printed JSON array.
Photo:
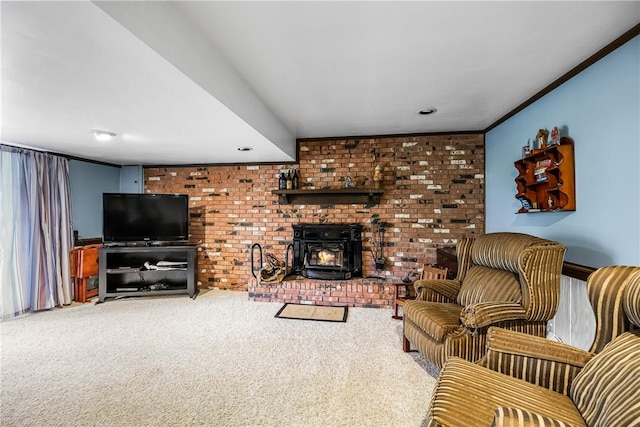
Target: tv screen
[{"x": 145, "y": 217}]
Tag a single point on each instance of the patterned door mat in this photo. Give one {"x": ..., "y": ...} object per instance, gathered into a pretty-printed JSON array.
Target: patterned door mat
[{"x": 313, "y": 312}]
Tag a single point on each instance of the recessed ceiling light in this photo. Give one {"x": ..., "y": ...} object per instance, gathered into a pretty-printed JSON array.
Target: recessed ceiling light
[
  {"x": 103, "y": 135},
  {"x": 244, "y": 148},
  {"x": 427, "y": 111}
]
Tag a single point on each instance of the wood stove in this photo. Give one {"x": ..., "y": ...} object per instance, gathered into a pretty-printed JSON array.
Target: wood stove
[{"x": 327, "y": 251}]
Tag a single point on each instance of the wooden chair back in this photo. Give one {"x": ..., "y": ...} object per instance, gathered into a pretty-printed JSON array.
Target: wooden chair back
[{"x": 429, "y": 272}]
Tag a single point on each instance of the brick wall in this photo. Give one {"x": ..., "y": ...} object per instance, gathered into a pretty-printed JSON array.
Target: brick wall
[{"x": 433, "y": 195}]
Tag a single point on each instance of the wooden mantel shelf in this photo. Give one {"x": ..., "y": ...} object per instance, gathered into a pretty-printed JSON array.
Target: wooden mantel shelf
[{"x": 330, "y": 196}]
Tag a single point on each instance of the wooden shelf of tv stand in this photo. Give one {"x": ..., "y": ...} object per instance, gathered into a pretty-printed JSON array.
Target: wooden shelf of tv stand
[
  {"x": 122, "y": 272},
  {"x": 330, "y": 196}
]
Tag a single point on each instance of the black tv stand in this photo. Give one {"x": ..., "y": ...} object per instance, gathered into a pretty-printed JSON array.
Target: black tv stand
[{"x": 146, "y": 270}]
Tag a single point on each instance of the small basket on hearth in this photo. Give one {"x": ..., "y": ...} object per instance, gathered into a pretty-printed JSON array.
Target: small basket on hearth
[{"x": 274, "y": 271}]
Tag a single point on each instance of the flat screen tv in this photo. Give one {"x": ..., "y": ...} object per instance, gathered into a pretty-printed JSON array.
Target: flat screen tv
[{"x": 145, "y": 217}]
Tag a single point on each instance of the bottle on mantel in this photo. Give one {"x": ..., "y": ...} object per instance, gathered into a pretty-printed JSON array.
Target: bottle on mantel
[
  {"x": 282, "y": 182},
  {"x": 294, "y": 180},
  {"x": 289, "y": 182}
]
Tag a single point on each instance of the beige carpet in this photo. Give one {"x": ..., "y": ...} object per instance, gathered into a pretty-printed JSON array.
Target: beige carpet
[
  {"x": 218, "y": 360},
  {"x": 313, "y": 312}
]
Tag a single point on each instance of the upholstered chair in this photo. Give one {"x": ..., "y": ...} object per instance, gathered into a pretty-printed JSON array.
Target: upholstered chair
[
  {"x": 527, "y": 381},
  {"x": 510, "y": 280}
]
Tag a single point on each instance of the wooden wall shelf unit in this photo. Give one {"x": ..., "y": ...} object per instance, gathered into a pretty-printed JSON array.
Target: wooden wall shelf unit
[
  {"x": 546, "y": 178},
  {"x": 329, "y": 195}
]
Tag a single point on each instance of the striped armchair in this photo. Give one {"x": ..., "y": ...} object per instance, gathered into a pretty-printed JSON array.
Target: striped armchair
[
  {"x": 532, "y": 381},
  {"x": 510, "y": 280}
]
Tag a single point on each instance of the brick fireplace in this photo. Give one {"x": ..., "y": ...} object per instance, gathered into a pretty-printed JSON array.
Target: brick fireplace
[{"x": 433, "y": 195}]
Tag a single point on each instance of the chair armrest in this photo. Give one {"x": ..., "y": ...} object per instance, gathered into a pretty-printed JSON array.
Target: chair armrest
[
  {"x": 507, "y": 417},
  {"x": 484, "y": 314},
  {"x": 540, "y": 361},
  {"x": 437, "y": 290}
]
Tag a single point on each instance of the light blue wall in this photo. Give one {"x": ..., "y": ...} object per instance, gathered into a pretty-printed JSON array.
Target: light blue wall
[
  {"x": 131, "y": 179},
  {"x": 600, "y": 109},
  {"x": 88, "y": 182}
]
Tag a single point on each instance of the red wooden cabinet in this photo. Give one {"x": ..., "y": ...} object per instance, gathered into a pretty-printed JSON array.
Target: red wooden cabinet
[{"x": 83, "y": 261}]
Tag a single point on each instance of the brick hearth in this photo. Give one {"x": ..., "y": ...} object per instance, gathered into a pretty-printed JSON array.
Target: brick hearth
[{"x": 359, "y": 292}]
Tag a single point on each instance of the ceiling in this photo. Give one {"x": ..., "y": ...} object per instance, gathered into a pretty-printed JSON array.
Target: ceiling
[{"x": 191, "y": 82}]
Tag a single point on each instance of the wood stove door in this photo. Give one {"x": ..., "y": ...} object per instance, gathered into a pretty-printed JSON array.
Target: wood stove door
[{"x": 326, "y": 256}]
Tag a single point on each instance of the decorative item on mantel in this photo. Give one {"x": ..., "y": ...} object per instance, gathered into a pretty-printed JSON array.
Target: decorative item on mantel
[
  {"x": 288, "y": 181},
  {"x": 377, "y": 177},
  {"x": 348, "y": 182}
]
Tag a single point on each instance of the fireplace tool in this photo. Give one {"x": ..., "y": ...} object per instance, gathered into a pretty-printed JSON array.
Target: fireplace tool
[
  {"x": 274, "y": 264},
  {"x": 377, "y": 243}
]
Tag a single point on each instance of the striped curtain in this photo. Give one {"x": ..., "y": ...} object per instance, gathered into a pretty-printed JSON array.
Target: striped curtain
[{"x": 35, "y": 231}]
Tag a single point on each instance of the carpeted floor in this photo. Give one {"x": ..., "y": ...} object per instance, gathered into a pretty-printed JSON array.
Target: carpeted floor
[{"x": 218, "y": 360}]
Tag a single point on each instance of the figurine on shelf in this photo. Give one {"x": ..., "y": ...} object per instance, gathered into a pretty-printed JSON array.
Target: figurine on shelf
[
  {"x": 526, "y": 150},
  {"x": 526, "y": 204},
  {"x": 554, "y": 137},
  {"x": 542, "y": 136}
]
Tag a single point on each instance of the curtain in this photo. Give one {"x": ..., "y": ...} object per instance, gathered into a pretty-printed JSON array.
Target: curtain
[{"x": 35, "y": 231}]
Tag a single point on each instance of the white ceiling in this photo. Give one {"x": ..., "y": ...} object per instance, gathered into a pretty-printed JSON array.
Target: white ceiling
[{"x": 189, "y": 82}]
